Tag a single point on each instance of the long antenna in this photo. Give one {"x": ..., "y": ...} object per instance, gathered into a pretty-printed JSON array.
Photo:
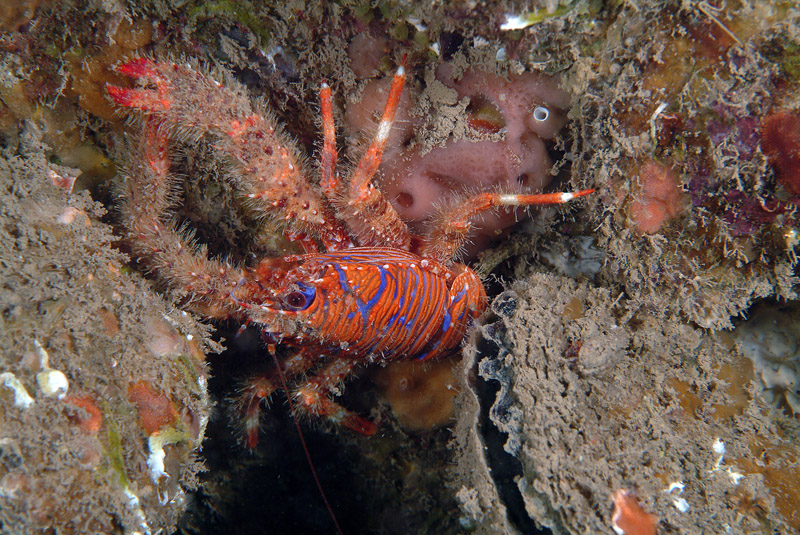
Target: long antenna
[{"x": 285, "y": 387}]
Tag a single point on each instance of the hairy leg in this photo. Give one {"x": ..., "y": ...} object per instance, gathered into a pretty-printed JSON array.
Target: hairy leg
[
  {"x": 313, "y": 397},
  {"x": 147, "y": 191},
  {"x": 192, "y": 105},
  {"x": 261, "y": 387}
]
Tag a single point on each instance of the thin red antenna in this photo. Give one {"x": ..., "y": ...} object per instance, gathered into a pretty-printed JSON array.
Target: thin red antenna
[{"x": 285, "y": 387}]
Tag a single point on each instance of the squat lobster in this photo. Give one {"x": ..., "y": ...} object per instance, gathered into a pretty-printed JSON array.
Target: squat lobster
[{"x": 371, "y": 294}]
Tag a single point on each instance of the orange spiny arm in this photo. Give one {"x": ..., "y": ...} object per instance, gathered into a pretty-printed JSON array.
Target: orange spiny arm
[
  {"x": 329, "y": 179},
  {"x": 367, "y": 212},
  {"x": 368, "y": 166},
  {"x": 453, "y": 225}
]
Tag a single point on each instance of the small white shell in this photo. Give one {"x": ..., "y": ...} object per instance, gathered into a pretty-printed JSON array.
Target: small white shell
[{"x": 53, "y": 383}]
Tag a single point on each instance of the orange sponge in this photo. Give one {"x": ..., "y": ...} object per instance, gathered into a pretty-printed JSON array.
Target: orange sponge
[{"x": 420, "y": 393}]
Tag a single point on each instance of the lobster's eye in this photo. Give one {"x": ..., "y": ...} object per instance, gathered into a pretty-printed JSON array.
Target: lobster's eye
[{"x": 301, "y": 298}]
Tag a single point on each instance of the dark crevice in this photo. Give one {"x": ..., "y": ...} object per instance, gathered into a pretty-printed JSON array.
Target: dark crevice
[
  {"x": 270, "y": 489},
  {"x": 505, "y": 468}
]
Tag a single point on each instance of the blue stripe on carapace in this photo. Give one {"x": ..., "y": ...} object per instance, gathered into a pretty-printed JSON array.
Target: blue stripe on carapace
[
  {"x": 419, "y": 301},
  {"x": 423, "y": 356},
  {"x": 397, "y": 297},
  {"x": 342, "y": 278},
  {"x": 396, "y": 288},
  {"x": 407, "y": 321},
  {"x": 366, "y": 307},
  {"x": 447, "y": 321},
  {"x": 363, "y": 307},
  {"x": 345, "y": 285},
  {"x": 414, "y": 286},
  {"x": 459, "y": 295}
]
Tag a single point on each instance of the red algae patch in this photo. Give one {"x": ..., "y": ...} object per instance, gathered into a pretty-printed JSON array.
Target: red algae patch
[
  {"x": 780, "y": 141},
  {"x": 155, "y": 409},
  {"x": 86, "y": 413},
  {"x": 629, "y": 517},
  {"x": 660, "y": 198}
]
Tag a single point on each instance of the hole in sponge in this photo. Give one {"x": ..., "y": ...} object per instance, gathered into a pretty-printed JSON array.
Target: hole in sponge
[
  {"x": 405, "y": 199},
  {"x": 541, "y": 114},
  {"x": 483, "y": 115}
]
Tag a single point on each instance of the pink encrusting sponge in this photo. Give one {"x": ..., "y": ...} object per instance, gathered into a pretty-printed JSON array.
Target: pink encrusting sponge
[
  {"x": 518, "y": 113},
  {"x": 659, "y": 200}
]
